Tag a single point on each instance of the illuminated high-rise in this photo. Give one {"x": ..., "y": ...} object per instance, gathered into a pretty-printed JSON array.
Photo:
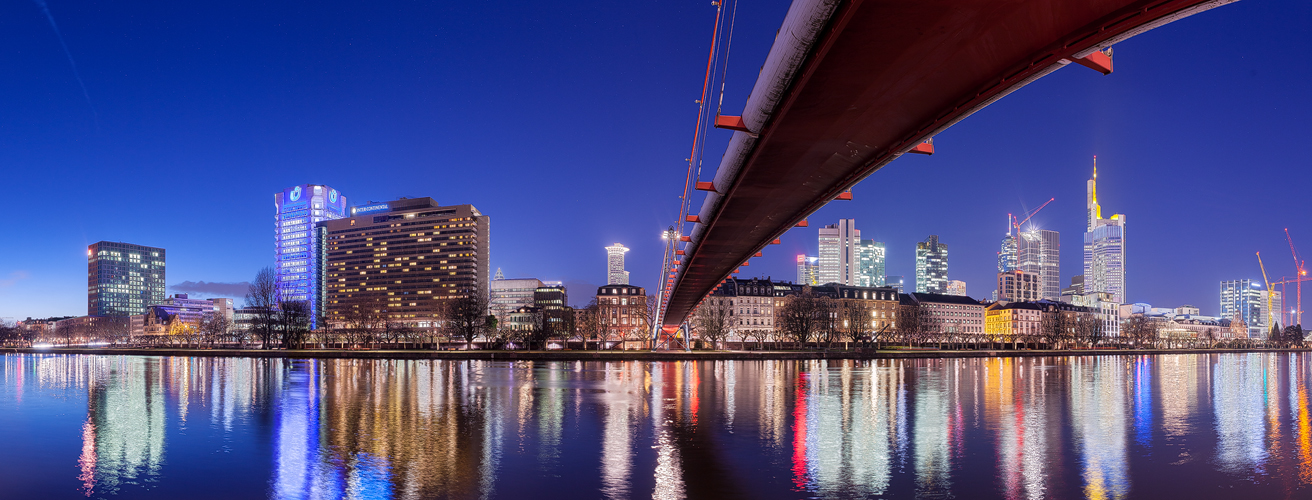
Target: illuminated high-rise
[
  {"x": 807, "y": 268},
  {"x": 931, "y": 266},
  {"x": 839, "y": 253},
  {"x": 123, "y": 279},
  {"x": 1104, "y": 247},
  {"x": 615, "y": 273},
  {"x": 1245, "y": 301},
  {"x": 297, "y": 264},
  {"x": 1038, "y": 252},
  {"x": 871, "y": 270}
]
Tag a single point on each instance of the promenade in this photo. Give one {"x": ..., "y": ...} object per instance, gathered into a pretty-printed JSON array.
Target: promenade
[{"x": 579, "y": 355}]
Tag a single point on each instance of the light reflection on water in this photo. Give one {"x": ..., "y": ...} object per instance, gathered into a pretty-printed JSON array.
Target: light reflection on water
[{"x": 1106, "y": 427}]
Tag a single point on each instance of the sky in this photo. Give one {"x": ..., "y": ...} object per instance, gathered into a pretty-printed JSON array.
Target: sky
[{"x": 172, "y": 124}]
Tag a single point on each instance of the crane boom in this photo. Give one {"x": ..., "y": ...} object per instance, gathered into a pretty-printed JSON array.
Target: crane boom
[
  {"x": 1299, "y": 272},
  {"x": 1031, "y": 214},
  {"x": 1269, "y": 313}
]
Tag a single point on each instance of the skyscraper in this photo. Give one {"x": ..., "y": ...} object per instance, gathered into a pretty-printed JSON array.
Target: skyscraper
[
  {"x": 297, "y": 265},
  {"x": 1104, "y": 247},
  {"x": 807, "y": 268},
  {"x": 1007, "y": 251},
  {"x": 840, "y": 261},
  {"x": 615, "y": 273},
  {"x": 123, "y": 279},
  {"x": 1244, "y": 299},
  {"x": 1038, "y": 252},
  {"x": 931, "y": 266},
  {"x": 871, "y": 270}
]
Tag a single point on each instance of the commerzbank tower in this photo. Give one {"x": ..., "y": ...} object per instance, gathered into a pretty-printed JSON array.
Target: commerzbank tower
[{"x": 1104, "y": 247}]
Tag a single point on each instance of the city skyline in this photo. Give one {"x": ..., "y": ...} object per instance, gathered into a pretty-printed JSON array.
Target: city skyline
[{"x": 1038, "y": 133}]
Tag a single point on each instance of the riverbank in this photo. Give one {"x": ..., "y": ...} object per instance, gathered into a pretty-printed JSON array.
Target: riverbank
[{"x": 613, "y": 355}]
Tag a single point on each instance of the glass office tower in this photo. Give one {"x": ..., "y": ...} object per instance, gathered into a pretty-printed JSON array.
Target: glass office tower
[
  {"x": 296, "y": 211},
  {"x": 123, "y": 279}
]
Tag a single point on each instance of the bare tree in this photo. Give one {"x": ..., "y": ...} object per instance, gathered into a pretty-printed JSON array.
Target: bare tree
[
  {"x": 467, "y": 315},
  {"x": 1055, "y": 326},
  {"x": 712, "y": 319},
  {"x": 913, "y": 323},
  {"x": 1141, "y": 330},
  {"x": 294, "y": 323},
  {"x": 214, "y": 327},
  {"x": 799, "y": 317},
  {"x": 591, "y": 323},
  {"x": 262, "y": 300},
  {"x": 1089, "y": 329},
  {"x": 854, "y": 319}
]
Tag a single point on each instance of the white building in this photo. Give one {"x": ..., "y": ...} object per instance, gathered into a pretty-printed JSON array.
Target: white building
[
  {"x": 508, "y": 295},
  {"x": 840, "y": 260},
  {"x": 872, "y": 263},
  {"x": 1244, "y": 299},
  {"x": 615, "y": 273}
]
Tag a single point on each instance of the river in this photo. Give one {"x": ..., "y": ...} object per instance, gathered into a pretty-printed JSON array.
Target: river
[{"x": 1184, "y": 426}]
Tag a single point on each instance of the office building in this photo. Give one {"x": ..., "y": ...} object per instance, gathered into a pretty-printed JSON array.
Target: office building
[
  {"x": 807, "y": 270},
  {"x": 871, "y": 270},
  {"x": 123, "y": 279},
  {"x": 1038, "y": 252},
  {"x": 615, "y": 273},
  {"x": 1244, "y": 300},
  {"x": 298, "y": 267},
  {"x": 1104, "y": 246},
  {"x": 895, "y": 282},
  {"x": 956, "y": 287},
  {"x": 840, "y": 260},
  {"x": 1018, "y": 286},
  {"x": 553, "y": 301},
  {"x": 509, "y": 295},
  {"x": 396, "y": 259},
  {"x": 931, "y": 266},
  {"x": 1007, "y": 254}
]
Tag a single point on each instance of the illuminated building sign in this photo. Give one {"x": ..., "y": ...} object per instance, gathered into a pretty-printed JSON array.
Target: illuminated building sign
[{"x": 380, "y": 207}]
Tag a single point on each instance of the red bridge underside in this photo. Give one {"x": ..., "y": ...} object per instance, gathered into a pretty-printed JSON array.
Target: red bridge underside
[{"x": 882, "y": 77}]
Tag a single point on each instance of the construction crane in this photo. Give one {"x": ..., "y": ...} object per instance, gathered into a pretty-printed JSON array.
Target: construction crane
[
  {"x": 1031, "y": 215},
  {"x": 1300, "y": 271},
  {"x": 1269, "y": 292}
]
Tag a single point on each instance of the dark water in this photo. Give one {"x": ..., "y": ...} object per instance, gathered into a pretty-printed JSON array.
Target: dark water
[{"x": 1179, "y": 426}]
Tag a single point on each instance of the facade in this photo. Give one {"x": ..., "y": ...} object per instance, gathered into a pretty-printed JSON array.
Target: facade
[
  {"x": 931, "y": 266},
  {"x": 298, "y": 266},
  {"x": 882, "y": 302},
  {"x": 840, "y": 260},
  {"x": 871, "y": 270},
  {"x": 1107, "y": 310},
  {"x": 948, "y": 313},
  {"x": 807, "y": 270},
  {"x": 1003, "y": 322},
  {"x": 1038, "y": 252},
  {"x": 1104, "y": 247},
  {"x": 615, "y": 273},
  {"x": 397, "y": 258},
  {"x": 751, "y": 305},
  {"x": 1245, "y": 299},
  {"x": 622, "y": 311},
  {"x": 956, "y": 287},
  {"x": 1018, "y": 286},
  {"x": 508, "y": 295},
  {"x": 552, "y": 299},
  {"x": 123, "y": 279},
  {"x": 1073, "y": 292}
]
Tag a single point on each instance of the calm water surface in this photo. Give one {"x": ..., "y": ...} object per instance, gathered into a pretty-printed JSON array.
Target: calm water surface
[{"x": 1179, "y": 426}]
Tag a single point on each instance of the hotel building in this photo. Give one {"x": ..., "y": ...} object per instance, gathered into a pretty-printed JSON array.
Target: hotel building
[{"x": 398, "y": 259}]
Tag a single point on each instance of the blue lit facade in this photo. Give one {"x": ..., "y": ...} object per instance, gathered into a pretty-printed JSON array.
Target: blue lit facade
[{"x": 297, "y": 210}]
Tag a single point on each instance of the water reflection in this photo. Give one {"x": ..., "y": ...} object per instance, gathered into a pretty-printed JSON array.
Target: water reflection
[{"x": 1021, "y": 428}]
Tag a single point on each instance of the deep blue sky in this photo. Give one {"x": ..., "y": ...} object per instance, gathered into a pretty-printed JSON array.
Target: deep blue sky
[{"x": 567, "y": 123}]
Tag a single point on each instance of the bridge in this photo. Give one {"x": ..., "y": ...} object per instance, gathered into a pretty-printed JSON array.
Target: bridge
[{"x": 851, "y": 85}]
